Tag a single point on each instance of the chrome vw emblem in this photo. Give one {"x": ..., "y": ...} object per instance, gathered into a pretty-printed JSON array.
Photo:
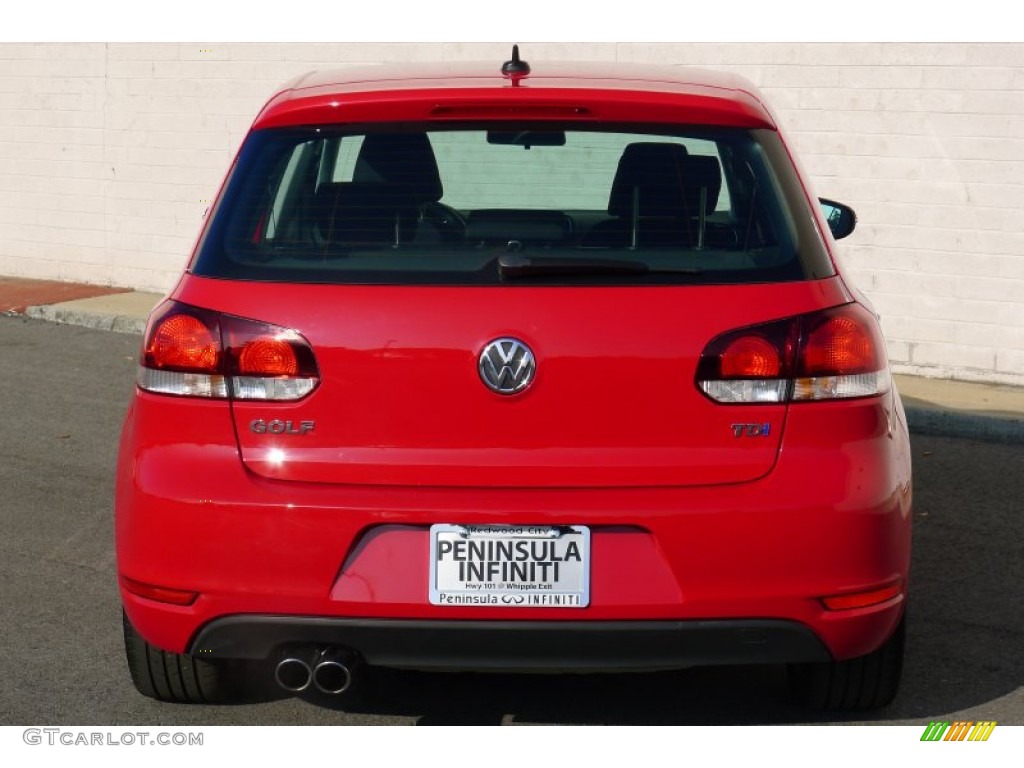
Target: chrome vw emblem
[{"x": 507, "y": 366}]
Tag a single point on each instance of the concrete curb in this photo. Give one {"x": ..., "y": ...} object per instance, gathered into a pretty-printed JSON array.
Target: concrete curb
[
  {"x": 56, "y": 313},
  {"x": 942, "y": 422}
]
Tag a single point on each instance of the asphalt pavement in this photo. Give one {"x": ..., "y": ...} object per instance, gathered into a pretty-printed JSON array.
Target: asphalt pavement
[{"x": 63, "y": 390}]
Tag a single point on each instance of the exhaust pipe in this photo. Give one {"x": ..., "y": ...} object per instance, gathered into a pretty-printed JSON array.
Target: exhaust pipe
[
  {"x": 333, "y": 671},
  {"x": 294, "y": 672}
]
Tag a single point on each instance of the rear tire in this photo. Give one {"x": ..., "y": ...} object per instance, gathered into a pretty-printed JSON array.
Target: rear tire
[
  {"x": 866, "y": 682},
  {"x": 174, "y": 677}
]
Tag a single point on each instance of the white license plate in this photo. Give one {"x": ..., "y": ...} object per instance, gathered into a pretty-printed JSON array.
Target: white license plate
[{"x": 512, "y": 566}]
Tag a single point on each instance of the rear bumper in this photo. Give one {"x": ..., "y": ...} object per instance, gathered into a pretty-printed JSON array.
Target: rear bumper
[
  {"x": 833, "y": 517},
  {"x": 519, "y": 645}
]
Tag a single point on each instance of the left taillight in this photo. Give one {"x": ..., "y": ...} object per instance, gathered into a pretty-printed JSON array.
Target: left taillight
[{"x": 193, "y": 352}]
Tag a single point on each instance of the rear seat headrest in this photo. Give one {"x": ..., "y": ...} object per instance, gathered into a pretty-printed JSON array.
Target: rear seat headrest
[
  {"x": 404, "y": 158},
  {"x": 365, "y": 212},
  {"x": 656, "y": 170}
]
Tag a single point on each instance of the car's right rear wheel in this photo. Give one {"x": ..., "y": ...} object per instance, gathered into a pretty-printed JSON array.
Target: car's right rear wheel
[
  {"x": 174, "y": 677},
  {"x": 866, "y": 682}
]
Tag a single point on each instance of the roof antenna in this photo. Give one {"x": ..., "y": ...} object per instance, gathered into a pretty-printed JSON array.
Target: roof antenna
[{"x": 515, "y": 67}]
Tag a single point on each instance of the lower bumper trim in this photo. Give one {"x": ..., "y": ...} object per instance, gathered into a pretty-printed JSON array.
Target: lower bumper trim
[{"x": 519, "y": 645}]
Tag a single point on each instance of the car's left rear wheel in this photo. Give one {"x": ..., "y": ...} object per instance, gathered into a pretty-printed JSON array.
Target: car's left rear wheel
[
  {"x": 175, "y": 677},
  {"x": 863, "y": 683}
]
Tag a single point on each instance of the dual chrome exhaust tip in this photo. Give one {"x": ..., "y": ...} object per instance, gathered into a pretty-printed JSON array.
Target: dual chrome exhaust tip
[{"x": 330, "y": 671}]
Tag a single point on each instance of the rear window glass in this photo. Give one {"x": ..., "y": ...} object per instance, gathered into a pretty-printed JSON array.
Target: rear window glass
[{"x": 509, "y": 203}]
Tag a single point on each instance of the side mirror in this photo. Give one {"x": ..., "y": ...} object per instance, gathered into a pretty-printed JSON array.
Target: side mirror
[{"x": 841, "y": 218}]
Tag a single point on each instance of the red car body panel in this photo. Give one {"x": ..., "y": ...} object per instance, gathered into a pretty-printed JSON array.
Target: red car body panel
[{"x": 687, "y": 520}]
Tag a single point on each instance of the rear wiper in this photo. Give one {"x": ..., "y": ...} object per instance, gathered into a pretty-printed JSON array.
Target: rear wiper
[{"x": 517, "y": 265}]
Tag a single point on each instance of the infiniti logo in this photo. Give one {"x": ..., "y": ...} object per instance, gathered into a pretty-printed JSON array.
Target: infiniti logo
[{"x": 507, "y": 366}]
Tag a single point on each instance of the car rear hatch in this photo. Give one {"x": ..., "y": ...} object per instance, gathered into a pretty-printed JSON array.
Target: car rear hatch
[{"x": 613, "y": 402}]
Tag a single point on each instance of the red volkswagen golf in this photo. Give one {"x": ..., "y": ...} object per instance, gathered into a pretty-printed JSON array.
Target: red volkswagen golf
[{"x": 496, "y": 369}]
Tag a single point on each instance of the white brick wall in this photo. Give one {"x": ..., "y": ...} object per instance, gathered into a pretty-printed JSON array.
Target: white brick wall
[{"x": 110, "y": 152}]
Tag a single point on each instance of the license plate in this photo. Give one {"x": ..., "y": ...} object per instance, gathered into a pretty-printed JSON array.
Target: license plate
[{"x": 510, "y": 566}]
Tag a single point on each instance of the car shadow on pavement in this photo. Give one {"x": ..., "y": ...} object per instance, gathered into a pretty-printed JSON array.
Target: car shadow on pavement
[
  {"x": 698, "y": 696},
  {"x": 966, "y": 627}
]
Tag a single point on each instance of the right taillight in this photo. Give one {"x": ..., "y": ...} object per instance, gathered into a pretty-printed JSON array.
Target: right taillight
[
  {"x": 832, "y": 354},
  {"x": 198, "y": 353}
]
